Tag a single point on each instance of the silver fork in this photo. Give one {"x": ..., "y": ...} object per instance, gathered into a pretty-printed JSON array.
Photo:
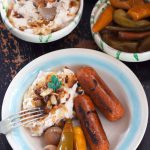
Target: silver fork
[{"x": 21, "y": 118}]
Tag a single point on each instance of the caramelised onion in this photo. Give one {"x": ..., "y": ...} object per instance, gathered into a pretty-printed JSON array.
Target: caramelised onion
[{"x": 48, "y": 13}]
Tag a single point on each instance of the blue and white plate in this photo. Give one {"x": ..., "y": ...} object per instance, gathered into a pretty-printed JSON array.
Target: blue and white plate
[{"x": 125, "y": 134}]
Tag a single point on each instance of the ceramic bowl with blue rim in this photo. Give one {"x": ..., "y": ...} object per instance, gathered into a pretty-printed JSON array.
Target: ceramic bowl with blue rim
[
  {"x": 124, "y": 56},
  {"x": 39, "y": 38},
  {"x": 124, "y": 134}
]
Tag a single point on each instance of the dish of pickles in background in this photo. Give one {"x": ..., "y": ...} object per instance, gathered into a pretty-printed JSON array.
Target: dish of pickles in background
[{"x": 122, "y": 28}]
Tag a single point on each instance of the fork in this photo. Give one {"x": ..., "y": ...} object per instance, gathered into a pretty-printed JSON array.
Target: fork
[{"x": 21, "y": 118}]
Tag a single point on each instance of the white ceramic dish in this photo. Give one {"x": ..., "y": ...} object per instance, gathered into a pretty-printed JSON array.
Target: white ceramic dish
[
  {"x": 125, "y": 134},
  {"x": 129, "y": 57},
  {"x": 39, "y": 38}
]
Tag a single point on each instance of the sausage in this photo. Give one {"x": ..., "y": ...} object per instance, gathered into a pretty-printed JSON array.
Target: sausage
[
  {"x": 100, "y": 93},
  {"x": 90, "y": 123}
]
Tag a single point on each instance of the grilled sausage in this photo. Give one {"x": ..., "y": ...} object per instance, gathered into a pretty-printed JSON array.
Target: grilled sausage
[
  {"x": 90, "y": 123},
  {"x": 100, "y": 93}
]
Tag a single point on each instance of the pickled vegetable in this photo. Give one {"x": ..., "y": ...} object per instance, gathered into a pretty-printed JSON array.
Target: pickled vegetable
[
  {"x": 127, "y": 46},
  {"x": 120, "y": 4},
  {"x": 133, "y": 35},
  {"x": 136, "y": 2},
  {"x": 66, "y": 141},
  {"x": 144, "y": 45},
  {"x": 52, "y": 135},
  {"x": 104, "y": 19},
  {"x": 139, "y": 12},
  {"x": 115, "y": 28},
  {"x": 79, "y": 139},
  {"x": 124, "y": 46},
  {"x": 121, "y": 18},
  {"x": 50, "y": 147}
]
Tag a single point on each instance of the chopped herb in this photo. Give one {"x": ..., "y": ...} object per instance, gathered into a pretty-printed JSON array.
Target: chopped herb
[{"x": 55, "y": 83}]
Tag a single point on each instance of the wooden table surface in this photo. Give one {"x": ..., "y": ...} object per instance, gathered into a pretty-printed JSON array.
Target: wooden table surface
[{"x": 15, "y": 54}]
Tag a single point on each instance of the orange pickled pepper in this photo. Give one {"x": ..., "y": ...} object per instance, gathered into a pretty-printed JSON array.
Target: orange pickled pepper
[
  {"x": 139, "y": 11},
  {"x": 104, "y": 19},
  {"x": 79, "y": 139}
]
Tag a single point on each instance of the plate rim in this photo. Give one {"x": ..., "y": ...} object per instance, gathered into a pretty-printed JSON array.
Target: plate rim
[{"x": 84, "y": 52}]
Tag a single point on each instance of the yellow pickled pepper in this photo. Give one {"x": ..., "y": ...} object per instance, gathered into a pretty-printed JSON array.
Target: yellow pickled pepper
[
  {"x": 66, "y": 141},
  {"x": 79, "y": 139}
]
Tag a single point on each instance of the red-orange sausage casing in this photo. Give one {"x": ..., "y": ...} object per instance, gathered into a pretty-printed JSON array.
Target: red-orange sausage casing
[
  {"x": 100, "y": 93},
  {"x": 90, "y": 123}
]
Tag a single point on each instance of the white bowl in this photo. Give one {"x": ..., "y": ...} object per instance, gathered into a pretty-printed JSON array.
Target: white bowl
[
  {"x": 39, "y": 38},
  {"x": 129, "y": 57},
  {"x": 124, "y": 134}
]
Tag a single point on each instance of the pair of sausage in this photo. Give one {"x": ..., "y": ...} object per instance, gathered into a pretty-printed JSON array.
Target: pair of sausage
[{"x": 104, "y": 99}]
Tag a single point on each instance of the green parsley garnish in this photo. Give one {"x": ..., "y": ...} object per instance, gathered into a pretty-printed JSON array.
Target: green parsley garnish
[{"x": 55, "y": 83}]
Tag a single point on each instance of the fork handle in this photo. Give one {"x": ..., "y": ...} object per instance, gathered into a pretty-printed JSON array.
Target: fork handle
[{"x": 4, "y": 127}]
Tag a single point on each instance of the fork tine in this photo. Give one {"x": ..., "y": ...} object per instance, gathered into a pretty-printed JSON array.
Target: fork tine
[
  {"x": 27, "y": 110},
  {"x": 29, "y": 121},
  {"x": 17, "y": 116},
  {"x": 26, "y": 119},
  {"x": 23, "y": 117}
]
